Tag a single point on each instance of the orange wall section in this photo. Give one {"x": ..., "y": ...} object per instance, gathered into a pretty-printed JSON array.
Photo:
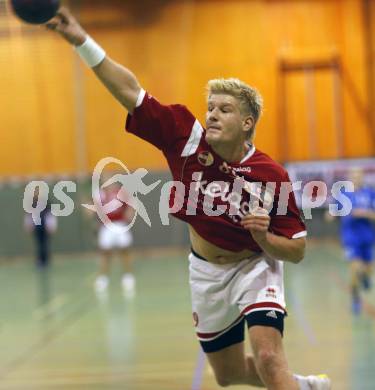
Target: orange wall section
[
  {"x": 37, "y": 116},
  {"x": 174, "y": 55}
]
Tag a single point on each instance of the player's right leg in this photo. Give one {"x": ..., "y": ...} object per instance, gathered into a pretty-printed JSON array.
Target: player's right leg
[
  {"x": 41, "y": 240},
  {"x": 219, "y": 324},
  {"x": 353, "y": 254},
  {"x": 128, "y": 280},
  {"x": 367, "y": 259},
  {"x": 123, "y": 240},
  {"x": 366, "y": 277},
  {"x": 232, "y": 366},
  {"x": 270, "y": 359},
  {"x": 102, "y": 280},
  {"x": 105, "y": 245},
  {"x": 356, "y": 271}
]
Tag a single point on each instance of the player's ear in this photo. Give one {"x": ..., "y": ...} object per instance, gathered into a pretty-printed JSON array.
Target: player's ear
[{"x": 248, "y": 123}]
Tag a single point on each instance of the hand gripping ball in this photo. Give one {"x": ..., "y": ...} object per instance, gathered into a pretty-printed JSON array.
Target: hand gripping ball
[{"x": 35, "y": 11}]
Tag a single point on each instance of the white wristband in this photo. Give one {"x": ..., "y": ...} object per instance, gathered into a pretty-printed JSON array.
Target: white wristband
[{"x": 91, "y": 52}]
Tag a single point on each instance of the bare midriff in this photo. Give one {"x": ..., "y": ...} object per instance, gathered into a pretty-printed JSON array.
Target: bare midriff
[{"x": 215, "y": 254}]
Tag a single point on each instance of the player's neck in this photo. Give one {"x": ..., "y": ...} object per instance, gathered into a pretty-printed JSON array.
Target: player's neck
[{"x": 232, "y": 154}]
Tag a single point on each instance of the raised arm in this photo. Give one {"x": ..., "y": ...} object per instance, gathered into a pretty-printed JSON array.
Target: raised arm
[{"x": 120, "y": 81}]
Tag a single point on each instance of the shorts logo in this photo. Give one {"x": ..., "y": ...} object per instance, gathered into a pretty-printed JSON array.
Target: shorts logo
[
  {"x": 271, "y": 293},
  {"x": 205, "y": 158},
  {"x": 272, "y": 314},
  {"x": 195, "y": 319}
]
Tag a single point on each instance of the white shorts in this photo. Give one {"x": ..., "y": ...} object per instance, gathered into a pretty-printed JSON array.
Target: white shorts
[
  {"x": 223, "y": 295},
  {"x": 112, "y": 239}
]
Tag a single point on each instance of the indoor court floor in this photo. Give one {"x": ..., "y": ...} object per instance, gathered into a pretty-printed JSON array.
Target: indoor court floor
[{"x": 57, "y": 333}]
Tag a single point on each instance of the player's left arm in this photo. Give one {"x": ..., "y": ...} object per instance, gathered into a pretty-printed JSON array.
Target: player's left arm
[{"x": 278, "y": 247}]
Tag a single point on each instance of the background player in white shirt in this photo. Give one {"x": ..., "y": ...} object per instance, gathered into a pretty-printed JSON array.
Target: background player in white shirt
[
  {"x": 116, "y": 239},
  {"x": 235, "y": 274}
]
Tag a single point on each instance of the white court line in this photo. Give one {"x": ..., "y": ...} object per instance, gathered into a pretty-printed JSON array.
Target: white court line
[{"x": 50, "y": 307}]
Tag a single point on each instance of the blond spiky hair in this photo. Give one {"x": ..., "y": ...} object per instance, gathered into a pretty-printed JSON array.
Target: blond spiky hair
[{"x": 250, "y": 99}]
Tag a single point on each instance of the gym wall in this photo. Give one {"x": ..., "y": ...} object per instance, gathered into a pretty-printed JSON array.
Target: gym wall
[{"x": 57, "y": 118}]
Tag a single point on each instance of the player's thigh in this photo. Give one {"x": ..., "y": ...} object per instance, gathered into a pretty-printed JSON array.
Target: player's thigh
[
  {"x": 230, "y": 361},
  {"x": 356, "y": 266},
  {"x": 367, "y": 256},
  {"x": 106, "y": 255},
  {"x": 124, "y": 251},
  {"x": 369, "y": 266}
]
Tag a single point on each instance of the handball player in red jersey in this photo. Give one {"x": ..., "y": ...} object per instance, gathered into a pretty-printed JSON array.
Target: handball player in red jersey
[
  {"x": 115, "y": 239},
  {"x": 236, "y": 262}
]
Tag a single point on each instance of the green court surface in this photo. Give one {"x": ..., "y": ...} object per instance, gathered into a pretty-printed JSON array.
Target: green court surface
[{"x": 57, "y": 333}]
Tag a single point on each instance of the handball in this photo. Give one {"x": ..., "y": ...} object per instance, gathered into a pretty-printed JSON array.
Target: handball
[{"x": 35, "y": 11}]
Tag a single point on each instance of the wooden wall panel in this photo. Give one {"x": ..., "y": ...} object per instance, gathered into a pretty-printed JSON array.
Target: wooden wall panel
[
  {"x": 174, "y": 49},
  {"x": 37, "y": 106},
  {"x": 353, "y": 57},
  {"x": 326, "y": 137}
]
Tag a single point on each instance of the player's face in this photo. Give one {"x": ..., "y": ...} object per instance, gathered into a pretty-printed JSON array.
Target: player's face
[{"x": 225, "y": 123}]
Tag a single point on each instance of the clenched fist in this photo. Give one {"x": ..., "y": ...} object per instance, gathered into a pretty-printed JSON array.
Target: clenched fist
[
  {"x": 257, "y": 223},
  {"x": 67, "y": 26}
]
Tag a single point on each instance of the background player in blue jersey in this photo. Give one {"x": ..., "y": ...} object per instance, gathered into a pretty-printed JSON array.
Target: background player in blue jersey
[{"x": 358, "y": 236}]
